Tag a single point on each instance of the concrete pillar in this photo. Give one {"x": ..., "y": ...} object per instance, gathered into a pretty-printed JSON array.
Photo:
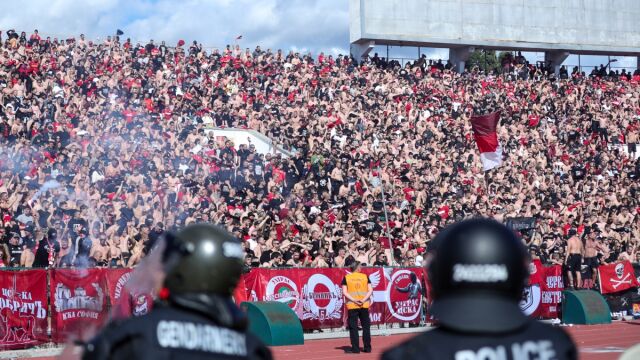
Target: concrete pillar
[
  {"x": 459, "y": 56},
  {"x": 360, "y": 50},
  {"x": 556, "y": 58}
]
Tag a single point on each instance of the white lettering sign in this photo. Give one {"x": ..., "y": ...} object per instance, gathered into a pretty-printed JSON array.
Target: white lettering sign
[{"x": 201, "y": 337}]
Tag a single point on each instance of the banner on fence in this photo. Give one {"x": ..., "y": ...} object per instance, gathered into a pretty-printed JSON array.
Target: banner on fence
[
  {"x": 617, "y": 277},
  {"x": 531, "y": 300},
  {"x": 315, "y": 295},
  {"x": 552, "y": 287},
  {"x": 322, "y": 299},
  {"x": 125, "y": 301},
  {"x": 78, "y": 302},
  {"x": 23, "y": 309},
  {"x": 404, "y": 295}
]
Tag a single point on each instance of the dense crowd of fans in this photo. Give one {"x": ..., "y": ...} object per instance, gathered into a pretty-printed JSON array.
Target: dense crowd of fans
[{"x": 104, "y": 146}]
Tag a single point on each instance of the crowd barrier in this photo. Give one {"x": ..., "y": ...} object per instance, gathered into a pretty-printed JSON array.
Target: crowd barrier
[
  {"x": 315, "y": 295},
  {"x": 41, "y": 306}
]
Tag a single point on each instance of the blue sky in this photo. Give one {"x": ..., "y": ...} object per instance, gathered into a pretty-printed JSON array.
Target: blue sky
[{"x": 303, "y": 25}]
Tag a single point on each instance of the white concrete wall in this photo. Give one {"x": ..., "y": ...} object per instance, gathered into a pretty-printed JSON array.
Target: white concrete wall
[{"x": 577, "y": 25}]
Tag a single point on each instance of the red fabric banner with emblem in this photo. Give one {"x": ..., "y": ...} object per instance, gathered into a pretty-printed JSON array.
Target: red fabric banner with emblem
[
  {"x": 551, "y": 292},
  {"x": 315, "y": 295},
  {"x": 78, "y": 302},
  {"x": 404, "y": 295},
  {"x": 531, "y": 300},
  {"x": 116, "y": 281},
  {"x": 616, "y": 277},
  {"x": 23, "y": 309},
  {"x": 126, "y": 302},
  {"x": 322, "y": 300}
]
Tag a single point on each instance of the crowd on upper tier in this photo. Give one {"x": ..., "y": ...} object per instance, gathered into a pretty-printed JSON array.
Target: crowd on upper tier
[{"x": 104, "y": 145}]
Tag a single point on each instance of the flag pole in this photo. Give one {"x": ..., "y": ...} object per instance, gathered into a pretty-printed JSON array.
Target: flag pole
[{"x": 386, "y": 217}]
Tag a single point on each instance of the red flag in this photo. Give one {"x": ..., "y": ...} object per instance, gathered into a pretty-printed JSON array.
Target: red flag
[
  {"x": 78, "y": 302},
  {"x": 616, "y": 277},
  {"x": 551, "y": 292},
  {"x": 180, "y": 42},
  {"x": 23, "y": 309},
  {"x": 484, "y": 132}
]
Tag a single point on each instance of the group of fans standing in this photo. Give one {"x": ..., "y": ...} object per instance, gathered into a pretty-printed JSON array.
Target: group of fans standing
[{"x": 105, "y": 146}]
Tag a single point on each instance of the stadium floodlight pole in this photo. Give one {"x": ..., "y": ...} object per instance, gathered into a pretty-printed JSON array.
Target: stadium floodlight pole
[{"x": 386, "y": 217}]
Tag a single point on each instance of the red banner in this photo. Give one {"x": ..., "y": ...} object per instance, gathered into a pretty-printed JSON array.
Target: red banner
[
  {"x": 240, "y": 293},
  {"x": 616, "y": 277},
  {"x": 403, "y": 295},
  {"x": 322, "y": 300},
  {"x": 124, "y": 302},
  {"x": 315, "y": 295},
  {"x": 78, "y": 302},
  {"x": 551, "y": 292},
  {"x": 278, "y": 285},
  {"x": 531, "y": 300},
  {"x": 23, "y": 309}
]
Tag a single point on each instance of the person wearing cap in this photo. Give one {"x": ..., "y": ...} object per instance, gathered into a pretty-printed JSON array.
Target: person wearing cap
[
  {"x": 478, "y": 269},
  {"x": 357, "y": 291}
]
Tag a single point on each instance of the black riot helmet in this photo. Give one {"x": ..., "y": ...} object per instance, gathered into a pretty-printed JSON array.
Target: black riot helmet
[
  {"x": 203, "y": 258},
  {"x": 478, "y": 270}
]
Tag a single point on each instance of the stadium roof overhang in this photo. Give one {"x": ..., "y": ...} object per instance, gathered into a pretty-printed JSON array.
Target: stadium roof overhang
[{"x": 582, "y": 49}]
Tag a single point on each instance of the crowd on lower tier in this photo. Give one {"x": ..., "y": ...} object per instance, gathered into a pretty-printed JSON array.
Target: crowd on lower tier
[{"x": 105, "y": 145}]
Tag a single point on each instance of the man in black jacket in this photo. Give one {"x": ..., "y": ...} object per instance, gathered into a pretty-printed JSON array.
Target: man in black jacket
[
  {"x": 195, "y": 317},
  {"x": 478, "y": 270}
]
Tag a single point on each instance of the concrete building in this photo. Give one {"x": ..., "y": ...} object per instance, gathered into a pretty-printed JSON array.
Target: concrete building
[{"x": 556, "y": 27}]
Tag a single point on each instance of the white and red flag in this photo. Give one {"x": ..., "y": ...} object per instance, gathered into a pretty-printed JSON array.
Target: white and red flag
[
  {"x": 484, "y": 132},
  {"x": 616, "y": 277}
]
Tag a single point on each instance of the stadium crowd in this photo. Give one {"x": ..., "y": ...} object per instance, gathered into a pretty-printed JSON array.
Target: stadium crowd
[{"x": 104, "y": 145}]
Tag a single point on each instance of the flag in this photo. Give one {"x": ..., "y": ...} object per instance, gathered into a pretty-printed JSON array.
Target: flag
[
  {"x": 180, "y": 42},
  {"x": 616, "y": 277},
  {"x": 484, "y": 132},
  {"x": 239, "y": 37},
  {"x": 119, "y": 32}
]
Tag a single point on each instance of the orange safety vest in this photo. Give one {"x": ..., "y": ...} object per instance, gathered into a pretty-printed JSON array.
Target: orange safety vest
[{"x": 357, "y": 287}]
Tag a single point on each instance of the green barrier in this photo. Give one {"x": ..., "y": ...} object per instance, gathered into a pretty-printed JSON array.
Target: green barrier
[
  {"x": 585, "y": 307},
  {"x": 274, "y": 323}
]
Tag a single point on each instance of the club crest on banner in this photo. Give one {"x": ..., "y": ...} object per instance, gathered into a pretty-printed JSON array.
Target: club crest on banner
[
  {"x": 66, "y": 300},
  {"x": 322, "y": 299},
  {"x": 141, "y": 306},
  {"x": 282, "y": 289},
  {"x": 531, "y": 299},
  {"x": 404, "y": 295}
]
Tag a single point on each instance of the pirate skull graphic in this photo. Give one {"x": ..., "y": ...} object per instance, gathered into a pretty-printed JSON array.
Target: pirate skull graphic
[{"x": 620, "y": 270}]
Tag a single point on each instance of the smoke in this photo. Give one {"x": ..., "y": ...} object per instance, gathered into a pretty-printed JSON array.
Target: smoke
[{"x": 49, "y": 185}]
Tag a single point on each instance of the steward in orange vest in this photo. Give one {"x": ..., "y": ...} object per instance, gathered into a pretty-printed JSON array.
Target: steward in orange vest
[{"x": 357, "y": 290}]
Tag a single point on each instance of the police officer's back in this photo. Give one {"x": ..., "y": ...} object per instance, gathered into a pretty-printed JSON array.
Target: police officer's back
[
  {"x": 478, "y": 269},
  {"x": 196, "y": 317}
]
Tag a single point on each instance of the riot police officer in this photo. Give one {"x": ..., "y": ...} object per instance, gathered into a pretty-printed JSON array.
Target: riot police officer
[
  {"x": 478, "y": 270},
  {"x": 195, "y": 317}
]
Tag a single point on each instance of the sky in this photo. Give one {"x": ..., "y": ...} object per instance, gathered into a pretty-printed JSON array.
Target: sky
[{"x": 300, "y": 25}]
